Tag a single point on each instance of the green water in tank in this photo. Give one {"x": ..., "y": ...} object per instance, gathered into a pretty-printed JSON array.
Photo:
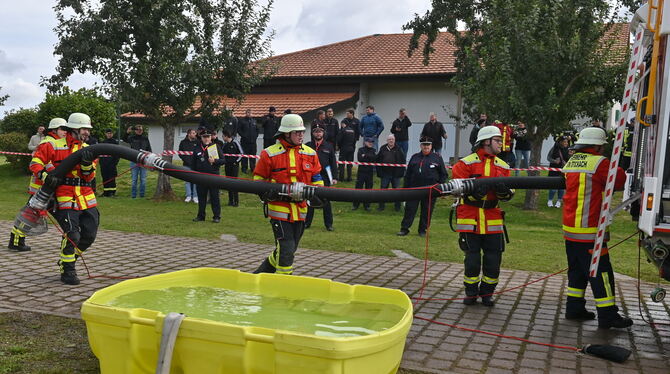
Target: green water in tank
[{"x": 315, "y": 317}]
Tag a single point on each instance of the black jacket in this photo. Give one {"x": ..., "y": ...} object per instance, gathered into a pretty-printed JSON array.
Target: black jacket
[
  {"x": 138, "y": 142},
  {"x": 270, "y": 126},
  {"x": 187, "y": 145},
  {"x": 434, "y": 131},
  {"x": 425, "y": 170},
  {"x": 522, "y": 143},
  {"x": 112, "y": 160},
  {"x": 388, "y": 155},
  {"x": 326, "y": 153},
  {"x": 399, "y": 129},
  {"x": 366, "y": 154},
  {"x": 332, "y": 129},
  {"x": 247, "y": 129},
  {"x": 200, "y": 160},
  {"x": 231, "y": 125},
  {"x": 232, "y": 148},
  {"x": 348, "y": 135}
]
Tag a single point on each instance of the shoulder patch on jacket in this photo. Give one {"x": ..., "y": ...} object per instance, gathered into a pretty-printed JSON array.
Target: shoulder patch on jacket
[
  {"x": 472, "y": 158},
  {"x": 501, "y": 163},
  {"x": 275, "y": 149},
  {"x": 305, "y": 150}
]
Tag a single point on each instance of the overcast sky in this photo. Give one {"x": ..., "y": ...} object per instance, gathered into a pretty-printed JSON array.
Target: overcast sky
[{"x": 27, "y": 38}]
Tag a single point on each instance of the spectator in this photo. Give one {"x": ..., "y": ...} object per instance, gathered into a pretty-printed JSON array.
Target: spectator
[
  {"x": 36, "y": 139},
  {"x": 521, "y": 147},
  {"x": 346, "y": 141},
  {"x": 248, "y": 136},
  {"x": 230, "y": 123},
  {"x": 506, "y": 148},
  {"x": 481, "y": 122},
  {"x": 425, "y": 168},
  {"x": 189, "y": 144},
  {"x": 558, "y": 155},
  {"x": 435, "y": 130},
  {"x": 108, "y": 167},
  {"x": 270, "y": 127},
  {"x": 390, "y": 153},
  {"x": 326, "y": 153},
  {"x": 332, "y": 127},
  {"x": 140, "y": 142},
  {"x": 366, "y": 153},
  {"x": 207, "y": 158},
  {"x": 371, "y": 126},
  {"x": 319, "y": 121},
  {"x": 232, "y": 164},
  {"x": 215, "y": 138},
  {"x": 400, "y": 129}
]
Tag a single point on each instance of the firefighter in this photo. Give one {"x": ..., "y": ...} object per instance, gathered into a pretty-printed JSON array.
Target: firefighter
[
  {"x": 506, "y": 133},
  {"x": 479, "y": 219},
  {"x": 43, "y": 159},
  {"x": 287, "y": 161},
  {"x": 627, "y": 151},
  {"x": 424, "y": 168},
  {"x": 585, "y": 179},
  {"x": 108, "y": 167},
  {"x": 76, "y": 210},
  {"x": 325, "y": 150}
]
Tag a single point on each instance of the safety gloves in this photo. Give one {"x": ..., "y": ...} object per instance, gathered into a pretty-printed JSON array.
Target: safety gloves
[
  {"x": 503, "y": 192},
  {"x": 49, "y": 179}
]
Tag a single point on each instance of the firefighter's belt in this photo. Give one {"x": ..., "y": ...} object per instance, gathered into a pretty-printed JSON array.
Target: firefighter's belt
[
  {"x": 486, "y": 204},
  {"x": 77, "y": 182}
]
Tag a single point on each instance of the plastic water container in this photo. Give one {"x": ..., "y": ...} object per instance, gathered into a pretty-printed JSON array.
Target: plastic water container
[{"x": 127, "y": 340}]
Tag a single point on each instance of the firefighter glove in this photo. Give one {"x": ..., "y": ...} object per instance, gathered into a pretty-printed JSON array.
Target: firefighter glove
[
  {"x": 479, "y": 193},
  {"x": 503, "y": 192},
  {"x": 50, "y": 179},
  {"x": 86, "y": 157}
]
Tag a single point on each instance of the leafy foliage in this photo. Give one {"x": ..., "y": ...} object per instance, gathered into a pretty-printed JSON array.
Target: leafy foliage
[
  {"x": 16, "y": 142},
  {"x": 66, "y": 101},
  {"x": 158, "y": 57},
  {"x": 3, "y": 98},
  {"x": 24, "y": 121}
]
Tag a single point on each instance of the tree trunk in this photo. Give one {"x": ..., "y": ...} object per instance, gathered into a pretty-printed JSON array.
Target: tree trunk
[
  {"x": 530, "y": 202},
  {"x": 163, "y": 187}
]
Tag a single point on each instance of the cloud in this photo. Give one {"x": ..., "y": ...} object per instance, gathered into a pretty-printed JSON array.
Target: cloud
[
  {"x": 8, "y": 66},
  {"x": 21, "y": 94}
]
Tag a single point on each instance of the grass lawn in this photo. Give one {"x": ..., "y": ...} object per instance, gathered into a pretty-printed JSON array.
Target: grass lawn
[{"x": 536, "y": 239}]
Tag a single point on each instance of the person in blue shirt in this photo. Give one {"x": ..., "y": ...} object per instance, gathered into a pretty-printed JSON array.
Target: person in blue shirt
[{"x": 371, "y": 125}]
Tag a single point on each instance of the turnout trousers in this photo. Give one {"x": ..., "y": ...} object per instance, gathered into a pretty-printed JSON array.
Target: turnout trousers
[
  {"x": 287, "y": 236},
  {"x": 602, "y": 285},
  {"x": 80, "y": 227},
  {"x": 483, "y": 254},
  {"x": 411, "y": 206},
  {"x": 109, "y": 174}
]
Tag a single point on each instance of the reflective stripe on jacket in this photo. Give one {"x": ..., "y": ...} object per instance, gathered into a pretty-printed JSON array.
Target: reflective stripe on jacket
[
  {"x": 285, "y": 163},
  {"x": 585, "y": 179},
  {"x": 49, "y": 153},
  {"x": 77, "y": 197},
  {"x": 471, "y": 218}
]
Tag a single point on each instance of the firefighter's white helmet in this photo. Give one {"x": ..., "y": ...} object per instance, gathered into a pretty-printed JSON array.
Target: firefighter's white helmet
[
  {"x": 56, "y": 123},
  {"x": 79, "y": 121},
  {"x": 592, "y": 136},
  {"x": 291, "y": 122},
  {"x": 487, "y": 132}
]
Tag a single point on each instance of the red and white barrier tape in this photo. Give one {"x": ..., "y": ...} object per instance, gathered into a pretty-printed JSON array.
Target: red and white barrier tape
[{"x": 165, "y": 153}]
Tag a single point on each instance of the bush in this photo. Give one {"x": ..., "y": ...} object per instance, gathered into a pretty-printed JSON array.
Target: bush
[
  {"x": 24, "y": 121},
  {"x": 16, "y": 142}
]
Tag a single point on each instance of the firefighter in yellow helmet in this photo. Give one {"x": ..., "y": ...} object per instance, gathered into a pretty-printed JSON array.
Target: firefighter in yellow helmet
[{"x": 287, "y": 161}]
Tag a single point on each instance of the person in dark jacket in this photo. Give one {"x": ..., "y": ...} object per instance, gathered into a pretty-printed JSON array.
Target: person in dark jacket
[
  {"x": 207, "y": 158},
  {"x": 326, "y": 153},
  {"x": 140, "y": 142},
  {"x": 108, "y": 167},
  {"x": 521, "y": 146},
  {"x": 435, "y": 130},
  {"x": 371, "y": 125},
  {"x": 248, "y": 136},
  {"x": 189, "y": 144},
  {"x": 230, "y": 123},
  {"x": 390, "y": 153},
  {"x": 425, "y": 168},
  {"x": 270, "y": 126},
  {"x": 366, "y": 153},
  {"x": 558, "y": 156},
  {"x": 232, "y": 163},
  {"x": 346, "y": 142},
  {"x": 400, "y": 129},
  {"x": 319, "y": 121},
  {"x": 332, "y": 127},
  {"x": 481, "y": 122}
]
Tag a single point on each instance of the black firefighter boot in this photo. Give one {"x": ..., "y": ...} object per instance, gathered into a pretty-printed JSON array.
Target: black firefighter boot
[
  {"x": 608, "y": 317},
  {"x": 575, "y": 309},
  {"x": 471, "y": 292},
  {"x": 485, "y": 291},
  {"x": 17, "y": 243},
  {"x": 266, "y": 267},
  {"x": 68, "y": 274}
]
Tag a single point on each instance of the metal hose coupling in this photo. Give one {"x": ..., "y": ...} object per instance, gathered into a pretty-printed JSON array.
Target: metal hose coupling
[
  {"x": 457, "y": 187},
  {"x": 297, "y": 191},
  {"x": 31, "y": 218},
  {"x": 151, "y": 159}
]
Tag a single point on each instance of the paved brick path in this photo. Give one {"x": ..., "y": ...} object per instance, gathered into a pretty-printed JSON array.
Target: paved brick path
[{"x": 30, "y": 281}]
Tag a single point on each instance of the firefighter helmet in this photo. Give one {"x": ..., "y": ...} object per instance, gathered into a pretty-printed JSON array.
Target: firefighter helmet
[
  {"x": 487, "y": 132},
  {"x": 592, "y": 136},
  {"x": 56, "y": 123},
  {"x": 290, "y": 122},
  {"x": 79, "y": 121}
]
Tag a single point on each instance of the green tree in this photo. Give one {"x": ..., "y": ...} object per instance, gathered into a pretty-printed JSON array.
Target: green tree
[
  {"x": 3, "y": 98},
  {"x": 65, "y": 102},
  {"x": 544, "y": 62},
  {"x": 24, "y": 121},
  {"x": 157, "y": 57}
]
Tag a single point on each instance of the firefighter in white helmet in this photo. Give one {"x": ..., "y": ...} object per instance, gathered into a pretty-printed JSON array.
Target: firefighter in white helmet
[
  {"x": 287, "y": 161},
  {"x": 479, "y": 219},
  {"x": 585, "y": 179}
]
